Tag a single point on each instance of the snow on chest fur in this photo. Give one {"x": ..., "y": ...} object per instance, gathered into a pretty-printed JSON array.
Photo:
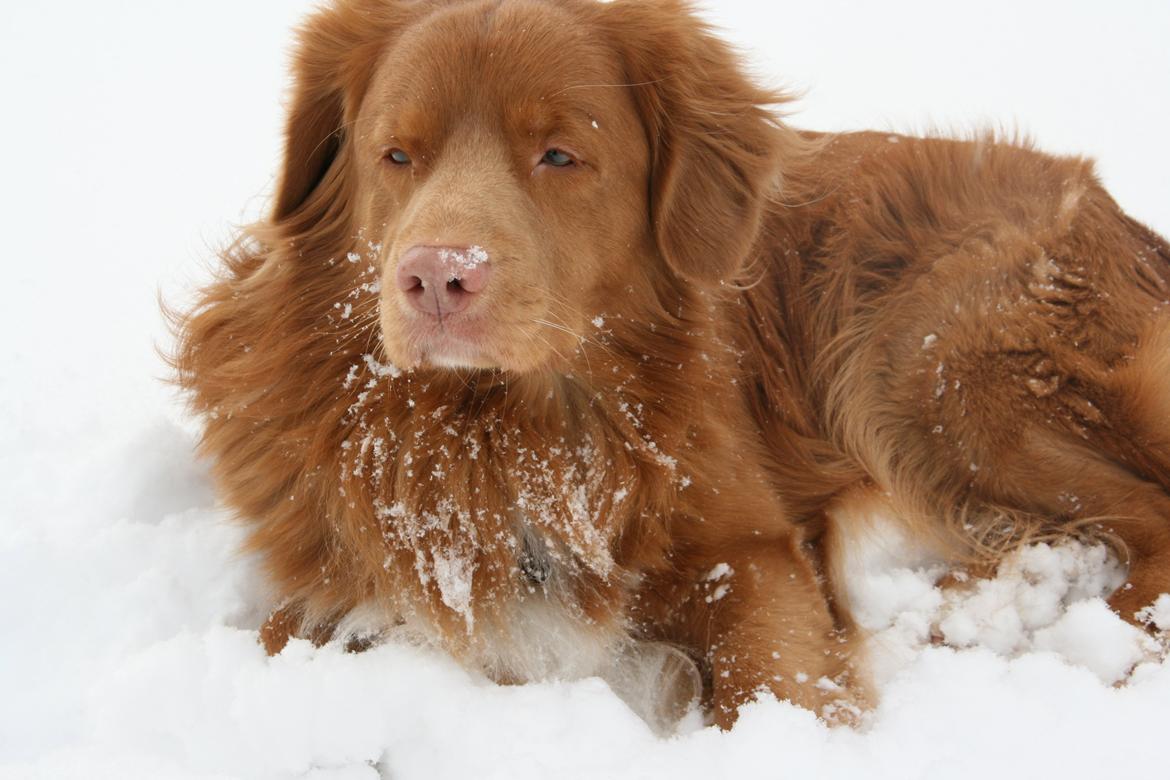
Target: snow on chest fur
[{"x": 496, "y": 527}]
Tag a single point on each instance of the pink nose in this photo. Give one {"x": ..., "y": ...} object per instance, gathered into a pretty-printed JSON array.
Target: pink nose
[{"x": 441, "y": 280}]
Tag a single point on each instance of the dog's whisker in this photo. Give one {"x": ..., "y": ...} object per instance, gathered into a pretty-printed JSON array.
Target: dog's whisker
[{"x": 608, "y": 86}]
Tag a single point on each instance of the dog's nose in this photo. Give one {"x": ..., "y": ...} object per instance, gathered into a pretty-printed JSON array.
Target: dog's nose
[{"x": 441, "y": 280}]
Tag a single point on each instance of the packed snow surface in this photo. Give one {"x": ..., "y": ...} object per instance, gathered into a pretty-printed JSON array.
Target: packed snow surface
[{"x": 128, "y": 625}]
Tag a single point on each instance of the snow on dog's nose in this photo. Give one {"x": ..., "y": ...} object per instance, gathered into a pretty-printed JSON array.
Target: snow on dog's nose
[{"x": 442, "y": 280}]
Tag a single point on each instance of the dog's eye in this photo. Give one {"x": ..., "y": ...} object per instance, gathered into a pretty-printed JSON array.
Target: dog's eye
[
  {"x": 557, "y": 158},
  {"x": 398, "y": 157}
]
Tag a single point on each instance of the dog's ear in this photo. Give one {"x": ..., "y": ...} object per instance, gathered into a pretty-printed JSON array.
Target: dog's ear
[
  {"x": 717, "y": 149},
  {"x": 337, "y": 50}
]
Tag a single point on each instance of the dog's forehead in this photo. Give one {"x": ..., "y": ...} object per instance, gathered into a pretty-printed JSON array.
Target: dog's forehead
[{"x": 524, "y": 59}]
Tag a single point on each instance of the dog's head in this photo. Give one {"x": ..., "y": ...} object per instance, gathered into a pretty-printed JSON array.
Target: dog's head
[{"x": 518, "y": 167}]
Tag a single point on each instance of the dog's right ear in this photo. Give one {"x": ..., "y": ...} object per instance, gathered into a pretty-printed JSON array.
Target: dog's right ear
[{"x": 337, "y": 50}]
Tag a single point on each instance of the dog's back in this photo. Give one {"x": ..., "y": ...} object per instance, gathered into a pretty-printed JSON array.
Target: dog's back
[{"x": 980, "y": 330}]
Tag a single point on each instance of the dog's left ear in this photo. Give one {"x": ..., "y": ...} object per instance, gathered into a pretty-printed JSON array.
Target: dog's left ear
[{"x": 717, "y": 150}]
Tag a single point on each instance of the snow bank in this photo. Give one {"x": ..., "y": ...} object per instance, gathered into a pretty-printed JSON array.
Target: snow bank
[{"x": 137, "y": 656}]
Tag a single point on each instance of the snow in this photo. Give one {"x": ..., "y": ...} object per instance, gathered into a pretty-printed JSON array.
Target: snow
[
  {"x": 466, "y": 259},
  {"x": 380, "y": 370},
  {"x": 1157, "y": 614},
  {"x": 719, "y": 572},
  {"x": 453, "y": 574},
  {"x": 1090, "y": 635},
  {"x": 128, "y": 648}
]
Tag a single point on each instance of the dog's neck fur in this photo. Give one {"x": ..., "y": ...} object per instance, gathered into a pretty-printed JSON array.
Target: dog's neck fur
[{"x": 575, "y": 456}]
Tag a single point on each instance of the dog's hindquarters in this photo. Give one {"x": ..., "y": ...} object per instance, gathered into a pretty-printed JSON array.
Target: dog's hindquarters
[{"x": 999, "y": 353}]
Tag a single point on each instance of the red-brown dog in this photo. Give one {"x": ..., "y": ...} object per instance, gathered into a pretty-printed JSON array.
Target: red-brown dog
[{"x": 557, "y": 345}]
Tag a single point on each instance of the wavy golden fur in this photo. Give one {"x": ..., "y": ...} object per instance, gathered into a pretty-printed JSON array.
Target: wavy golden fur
[{"x": 699, "y": 335}]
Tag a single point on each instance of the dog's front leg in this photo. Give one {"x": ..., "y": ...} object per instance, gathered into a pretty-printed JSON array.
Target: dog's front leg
[{"x": 756, "y": 619}]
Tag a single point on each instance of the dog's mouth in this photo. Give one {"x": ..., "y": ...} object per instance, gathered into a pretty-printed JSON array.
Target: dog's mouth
[
  {"x": 453, "y": 341},
  {"x": 465, "y": 341},
  {"x": 473, "y": 340}
]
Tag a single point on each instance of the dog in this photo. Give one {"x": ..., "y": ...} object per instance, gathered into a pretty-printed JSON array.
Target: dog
[{"x": 559, "y": 347}]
